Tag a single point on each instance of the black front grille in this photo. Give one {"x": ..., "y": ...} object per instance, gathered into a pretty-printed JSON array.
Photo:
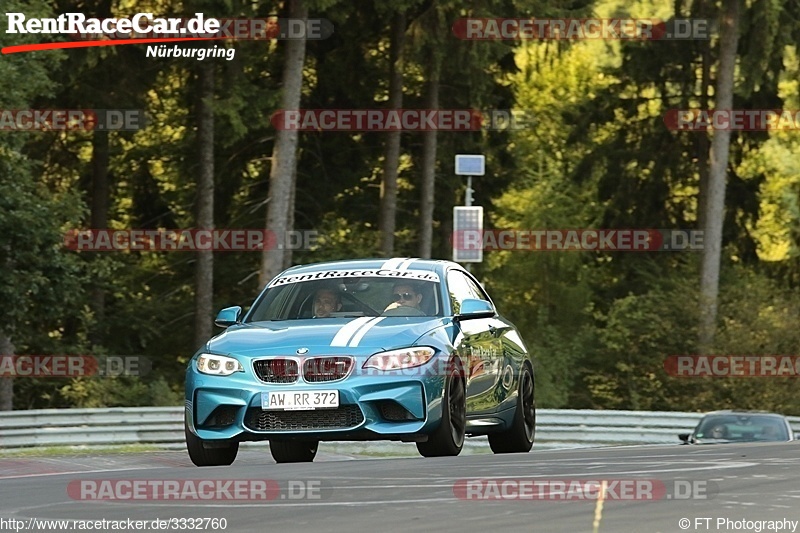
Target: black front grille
[
  {"x": 322, "y": 369},
  {"x": 343, "y": 417},
  {"x": 276, "y": 370}
]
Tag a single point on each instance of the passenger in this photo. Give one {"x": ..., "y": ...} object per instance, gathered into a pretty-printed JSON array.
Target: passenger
[{"x": 771, "y": 433}]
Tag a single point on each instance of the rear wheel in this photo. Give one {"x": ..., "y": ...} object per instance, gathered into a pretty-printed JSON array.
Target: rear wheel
[
  {"x": 519, "y": 437},
  {"x": 216, "y": 456},
  {"x": 448, "y": 439},
  {"x": 293, "y": 451}
]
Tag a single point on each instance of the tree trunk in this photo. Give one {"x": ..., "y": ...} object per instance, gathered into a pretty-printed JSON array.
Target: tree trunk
[
  {"x": 703, "y": 140},
  {"x": 429, "y": 143},
  {"x": 715, "y": 204},
  {"x": 287, "y": 251},
  {"x": 388, "y": 204},
  {"x": 204, "y": 268},
  {"x": 446, "y": 231},
  {"x": 100, "y": 198},
  {"x": 284, "y": 153},
  {"x": 7, "y": 383}
]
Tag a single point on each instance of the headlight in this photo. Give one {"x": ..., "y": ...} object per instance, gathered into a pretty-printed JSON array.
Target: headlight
[
  {"x": 218, "y": 365},
  {"x": 398, "y": 359}
]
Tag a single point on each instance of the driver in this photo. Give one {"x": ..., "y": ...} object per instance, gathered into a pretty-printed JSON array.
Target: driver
[
  {"x": 326, "y": 302},
  {"x": 719, "y": 432},
  {"x": 404, "y": 294}
]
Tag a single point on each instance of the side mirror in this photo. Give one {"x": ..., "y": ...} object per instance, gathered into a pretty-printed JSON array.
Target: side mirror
[
  {"x": 474, "y": 308},
  {"x": 685, "y": 437},
  {"x": 797, "y": 436},
  {"x": 228, "y": 316}
]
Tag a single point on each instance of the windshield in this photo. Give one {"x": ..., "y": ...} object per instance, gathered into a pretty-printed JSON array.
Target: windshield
[
  {"x": 347, "y": 297},
  {"x": 742, "y": 428}
]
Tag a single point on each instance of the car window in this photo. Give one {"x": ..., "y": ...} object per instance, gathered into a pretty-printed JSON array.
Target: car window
[
  {"x": 460, "y": 287},
  {"x": 742, "y": 428},
  {"x": 476, "y": 289}
]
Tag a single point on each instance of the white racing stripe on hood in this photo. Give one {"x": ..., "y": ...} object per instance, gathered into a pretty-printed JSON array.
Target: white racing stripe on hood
[
  {"x": 348, "y": 330},
  {"x": 363, "y": 331}
]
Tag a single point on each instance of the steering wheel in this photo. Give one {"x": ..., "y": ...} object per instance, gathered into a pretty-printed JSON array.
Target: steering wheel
[
  {"x": 404, "y": 311},
  {"x": 363, "y": 306},
  {"x": 305, "y": 307}
]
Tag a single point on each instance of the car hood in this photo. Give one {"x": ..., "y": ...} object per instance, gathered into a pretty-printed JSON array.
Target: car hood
[{"x": 362, "y": 335}]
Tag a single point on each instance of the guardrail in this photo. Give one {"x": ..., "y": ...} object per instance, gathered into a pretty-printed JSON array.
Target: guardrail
[
  {"x": 164, "y": 426},
  {"x": 107, "y": 426}
]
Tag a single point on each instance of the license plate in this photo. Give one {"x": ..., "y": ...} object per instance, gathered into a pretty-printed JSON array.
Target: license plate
[{"x": 299, "y": 400}]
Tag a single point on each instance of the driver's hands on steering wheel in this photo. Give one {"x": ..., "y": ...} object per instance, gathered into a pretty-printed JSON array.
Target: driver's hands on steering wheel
[{"x": 395, "y": 309}]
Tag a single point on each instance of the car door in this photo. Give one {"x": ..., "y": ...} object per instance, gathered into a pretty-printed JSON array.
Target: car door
[
  {"x": 479, "y": 345},
  {"x": 509, "y": 353}
]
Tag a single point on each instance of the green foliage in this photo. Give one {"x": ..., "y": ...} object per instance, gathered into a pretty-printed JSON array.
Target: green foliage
[
  {"x": 763, "y": 33},
  {"x": 556, "y": 355},
  {"x": 39, "y": 279},
  {"x": 39, "y": 282},
  {"x": 120, "y": 392},
  {"x": 635, "y": 337},
  {"x": 599, "y": 156},
  {"x": 640, "y": 332},
  {"x": 14, "y": 68}
]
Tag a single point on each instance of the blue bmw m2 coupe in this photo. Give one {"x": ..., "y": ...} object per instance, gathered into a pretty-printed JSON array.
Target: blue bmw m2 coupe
[{"x": 370, "y": 349}]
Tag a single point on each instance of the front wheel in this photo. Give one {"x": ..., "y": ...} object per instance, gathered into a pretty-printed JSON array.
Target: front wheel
[
  {"x": 448, "y": 439},
  {"x": 202, "y": 456},
  {"x": 519, "y": 437},
  {"x": 293, "y": 451}
]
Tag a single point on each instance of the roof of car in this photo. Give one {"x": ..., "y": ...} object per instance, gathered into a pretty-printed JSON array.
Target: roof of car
[
  {"x": 744, "y": 412},
  {"x": 395, "y": 263}
]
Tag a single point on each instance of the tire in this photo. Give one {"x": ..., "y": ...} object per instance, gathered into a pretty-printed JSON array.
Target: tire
[
  {"x": 519, "y": 437},
  {"x": 293, "y": 451},
  {"x": 448, "y": 438},
  {"x": 202, "y": 456}
]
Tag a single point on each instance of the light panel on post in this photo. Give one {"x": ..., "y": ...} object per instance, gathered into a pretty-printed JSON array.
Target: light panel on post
[
  {"x": 470, "y": 165},
  {"x": 468, "y": 234}
]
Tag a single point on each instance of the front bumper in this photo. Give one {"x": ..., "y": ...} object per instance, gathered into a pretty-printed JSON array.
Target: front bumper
[{"x": 385, "y": 407}]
